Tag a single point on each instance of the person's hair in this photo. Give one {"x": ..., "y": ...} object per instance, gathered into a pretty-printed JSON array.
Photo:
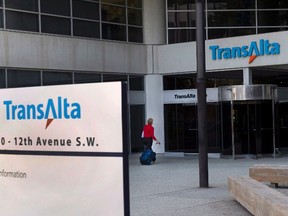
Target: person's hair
[{"x": 150, "y": 121}]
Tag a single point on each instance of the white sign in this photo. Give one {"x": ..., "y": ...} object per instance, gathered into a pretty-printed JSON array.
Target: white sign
[{"x": 61, "y": 150}]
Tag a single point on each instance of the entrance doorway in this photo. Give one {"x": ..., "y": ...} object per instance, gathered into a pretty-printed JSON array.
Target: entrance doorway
[{"x": 248, "y": 127}]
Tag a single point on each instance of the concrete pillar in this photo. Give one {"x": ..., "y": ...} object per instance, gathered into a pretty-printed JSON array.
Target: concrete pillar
[
  {"x": 154, "y": 25},
  {"x": 247, "y": 76},
  {"x": 154, "y": 107}
]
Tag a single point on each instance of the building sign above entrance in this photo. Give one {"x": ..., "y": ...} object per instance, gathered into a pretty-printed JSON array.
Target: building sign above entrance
[{"x": 253, "y": 50}]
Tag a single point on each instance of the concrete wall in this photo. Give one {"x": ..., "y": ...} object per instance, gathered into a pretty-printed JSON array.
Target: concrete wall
[
  {"x": 26, "y": 50},
  {"x": 154, "y": 21}
]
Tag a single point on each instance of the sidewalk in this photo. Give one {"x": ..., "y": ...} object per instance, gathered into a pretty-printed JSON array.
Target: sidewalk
[{"x": 170, "y": 187}]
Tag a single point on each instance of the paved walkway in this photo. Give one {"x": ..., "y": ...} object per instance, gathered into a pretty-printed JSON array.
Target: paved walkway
[{"x": 170, "y": 187}]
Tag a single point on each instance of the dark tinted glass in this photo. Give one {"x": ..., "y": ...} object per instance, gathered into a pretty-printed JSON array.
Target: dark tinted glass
[
  {"x": 181, "y": 5},
  {"x": 1, "y": 3},
  {"x": 231, "y": 18},
  {"x": 2, "y": 78},
  {"x": 84, "y": 9},
  {"x": 118, "y": 2},
  {"x": 55, "y": 25},
  {"x": 114, "y": 77},
  {"x": 21, "y": 21},
  {"x": 181, "y": 19},
  {"x": 113, "y": 14},
  {"x": 269, "y": 4},
  {"x": 86, "y": 28},
  {"x": 23, "y": 78},
  {"x": 222, "y": 33},
  {"x": 60, "y": 7},
  {"x": 136, "y": 83},
  {"x": 135, "y": 34},
  {"x": 134, "y": 3},
  {"x": 56, "y": 78},
  {"x": 267, "y": 30},
  {"x": 272, "y": 18},
  {"x": 230, "y": 4},
  {"x": 86, "y": 78},
  {"x": 181, "y": 35},
  {"x": 29, "y": 5},
  {"x": 113, "y": 32},
  {"x": 1, "y": 19},
  {"x": 179, "y": 82},
  {"x": 135, "y": 17}
]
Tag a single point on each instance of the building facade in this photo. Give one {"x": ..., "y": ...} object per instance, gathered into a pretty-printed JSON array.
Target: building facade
[{"x": 151, "y": 45}]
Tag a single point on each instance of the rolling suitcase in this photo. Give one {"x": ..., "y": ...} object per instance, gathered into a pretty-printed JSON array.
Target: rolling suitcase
[{"x": 147, "y": 157}]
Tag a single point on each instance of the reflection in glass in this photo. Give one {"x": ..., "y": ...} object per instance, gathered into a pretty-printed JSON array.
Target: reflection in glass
[
  {"x": 113, "y": 14},
  {"x": 114, "y": 77},
  {"x": 181, "y": 35},
  {"x": 134, "y": 17},
  {"x": 182, "y": 19},
  {"x": 181, "y": 5},
  {"x": 272, "y": 4},
  {"x": 118, "y": 2},
  {"x": 136, "y": 83},
  {"x": 134, "y": 3}
]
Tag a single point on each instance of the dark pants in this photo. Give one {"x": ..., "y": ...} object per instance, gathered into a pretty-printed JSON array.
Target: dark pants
[{"x": 147, "y": 143}]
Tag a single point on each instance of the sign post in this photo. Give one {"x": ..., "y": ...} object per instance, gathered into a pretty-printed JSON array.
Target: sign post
[{"x": 64, "y": 151}]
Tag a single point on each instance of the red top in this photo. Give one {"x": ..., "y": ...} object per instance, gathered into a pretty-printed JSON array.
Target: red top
[{"x": 149, "y": 131}]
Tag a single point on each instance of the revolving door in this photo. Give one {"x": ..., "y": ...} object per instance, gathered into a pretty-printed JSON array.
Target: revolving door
[{"x": 248, "y": 120}]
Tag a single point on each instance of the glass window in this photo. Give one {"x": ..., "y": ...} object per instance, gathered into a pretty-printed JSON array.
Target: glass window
[
  {"x": 113, "y": 14},
  {"x": 181, "y": 5},
  {"x": 29, "y": 5},
  {"x": 134, "y": 17},
  {"x": 118, "y": 2},
  {"x": 231, "y": 4},
  {"x": 87, "y": 78},
  {"x": 134, "y": 3},
  {"x": 181, "y": 19},
  {"x": 222, "y": 33},
  {"x": 181, "y": 35},
  {"x": 22, "y": 21},
  {"x": 86, "y": 28},
  {"x": 2, "y": 78},
  {"x": 136, "y": 83},
  {"x": 236, "y": 18},
  {"x": 84, "y": 9},
  {"x": 137, "y": 120},
  {"x": 114, "y": 77},
  {"x": 23, "y": 78},
  {"x": 1, "y": 3},
  {"x": 272, "y": 4},
  {"x": 135, "y": 35},
  {"x": 113, "y": 32},
  {"x": 280, "y": 18},
  {"x": 175, "y": 82},
  {"x": 56, "y": 78},
  {"x": 59, "y": 7},
  {"x": 55, "y": 25},
  {"x": 267, "y": 30},
  {"x": 1, "y": 19}
]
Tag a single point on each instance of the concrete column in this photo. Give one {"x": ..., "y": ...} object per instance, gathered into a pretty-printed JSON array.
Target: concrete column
[
  {"x": 154, "y": 107},
  {"x": 247, "y": 76},
  {"x": 154, "y": 25}
]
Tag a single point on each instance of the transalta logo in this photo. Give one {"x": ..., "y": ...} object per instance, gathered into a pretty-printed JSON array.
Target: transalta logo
[
  {"x": 263, "y": 47},
  {"x": 52, "y": 109}
]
